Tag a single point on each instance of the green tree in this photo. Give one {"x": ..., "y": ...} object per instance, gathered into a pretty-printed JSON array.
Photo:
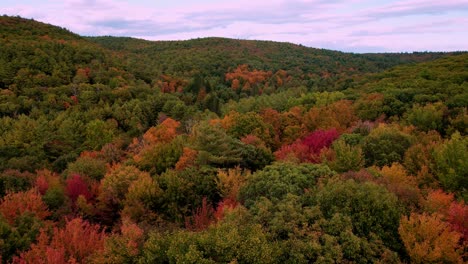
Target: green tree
[
  {"x": 215, "y": 146},
  {"x": 92, "y": 167},
  {"x": 184, "y": 191},
  {"x": 18, "y": 236},
  {"x": 250, "y": 124},
  {"x": 385, "y": 145},
  {"x": 159, "y": 157},
  {"x": 295, "y": 227},
  {"x": 451, "y": 166},
  {"x": 277, "y": 180},
  {"x": 234, "y": 240},
  {"x": 370, "y": 106},
  {"x": 347, "y": 157},
  {"x": 428, "y": 117},
  {"x": 98, "y": 133},
  {"x": 371, "y": 208}
]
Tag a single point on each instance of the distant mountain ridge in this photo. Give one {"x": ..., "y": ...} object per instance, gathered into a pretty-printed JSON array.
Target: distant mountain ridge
[
  {"x": 54, "y": 55},
  {"x": 40, "y": 55},
  {"x": 217, "y": 55}
]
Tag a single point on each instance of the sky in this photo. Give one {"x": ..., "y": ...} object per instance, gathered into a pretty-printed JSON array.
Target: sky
[{"x": 345, "y": 25}]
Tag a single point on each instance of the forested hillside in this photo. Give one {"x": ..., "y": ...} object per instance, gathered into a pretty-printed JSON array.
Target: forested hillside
[
  {"x": 213, "y": 57},
  {"x": 120, "y": 150}
]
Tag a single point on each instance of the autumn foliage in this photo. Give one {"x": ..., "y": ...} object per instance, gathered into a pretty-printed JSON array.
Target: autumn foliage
[
  {"x": 187, "y": 159},
  {"x": 202, "y": 217},
  {"x": 74, "y": 243},
  {"x": 438, "y": 201},
  {"x": 16, "y": 204},
  {"x": 404, "y": 186},
  {"x": 243, "y": 76},
  {"x": 458, "y": 219},
  {"x": 163, "y": 133},
  {"x": 171, "y": 84},
  {"x": 428, "y": 239},
  {"x": 309, "y": 148},
  {"x": 215, "y": 150},
  {"x": 76, "y": 186}
]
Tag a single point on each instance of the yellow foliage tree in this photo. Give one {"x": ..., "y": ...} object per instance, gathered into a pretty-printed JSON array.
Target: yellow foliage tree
[
  {"x": 230, "y": 181},
  {"x": 428, "y": 239}
]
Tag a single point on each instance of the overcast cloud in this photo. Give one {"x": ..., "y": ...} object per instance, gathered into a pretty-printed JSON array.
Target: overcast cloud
[{"x": 352, "y": 25}]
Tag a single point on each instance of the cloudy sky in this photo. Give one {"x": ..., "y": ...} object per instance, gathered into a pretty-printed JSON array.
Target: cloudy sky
[{"x": 347, "y": 25}]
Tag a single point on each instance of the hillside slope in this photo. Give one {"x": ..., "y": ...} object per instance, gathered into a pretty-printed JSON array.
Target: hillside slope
[
  {"x": 37, "y": 54},
  {"x": 216, "y": 56},
  {"x": 444, "y": 79}
]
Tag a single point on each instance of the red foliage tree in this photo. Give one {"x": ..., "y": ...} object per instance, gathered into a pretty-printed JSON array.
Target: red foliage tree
[
  {"x": 320, "y": 139},
  {"x": 202, "y": 217},
  {"x": 45, "y": 180},
  {"x": 226, "y": 205},
  {"x": 41, "y": 184},
  {"x": 16, "y": 204},
  {"x": 309, "y": 148},
  {"x": 76, "y": 186},
  {"x": 295, "y": 152},
  {"x": 74, "y": 243},
  {"x": 458, "y": 219}
]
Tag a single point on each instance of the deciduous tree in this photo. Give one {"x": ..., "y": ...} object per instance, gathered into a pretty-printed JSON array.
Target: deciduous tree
[
  {"x": 14, "y": 205},
  {"x": 74, "y": 243},
  {"x": 428, "y": 239}
]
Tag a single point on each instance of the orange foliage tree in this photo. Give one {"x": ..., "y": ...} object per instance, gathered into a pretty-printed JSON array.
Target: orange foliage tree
[
  {"x": 248, "y": 79},
  {"x": 74, "y": 243},
  {"x": 273, "y": 118},
  {"x": 339, "y": 115},
  {"x": 428, "y": 239},
  {"x": 16, "y": 204},
  {"x": 170, "y": 84},
  {"x": 127, "y": 188},
  {"x": 292, "y": 125},
  {"x": 163, "y": 133},
  {"x": 160, "y": 134},
  {"x": 437, "y": 201},
  {"x": 187, "y": 159},
  {"x": 396, "y": 180},
  {"x": 230, "y": 181},
  {"x": 455, "y": 213}
]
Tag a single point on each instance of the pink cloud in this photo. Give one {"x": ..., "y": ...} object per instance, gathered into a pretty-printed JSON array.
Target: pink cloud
[{"x": 340, "y": 24}]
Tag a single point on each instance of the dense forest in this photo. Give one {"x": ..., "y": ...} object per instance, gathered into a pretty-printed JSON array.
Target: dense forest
[{"x": 213, "y": 150}]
